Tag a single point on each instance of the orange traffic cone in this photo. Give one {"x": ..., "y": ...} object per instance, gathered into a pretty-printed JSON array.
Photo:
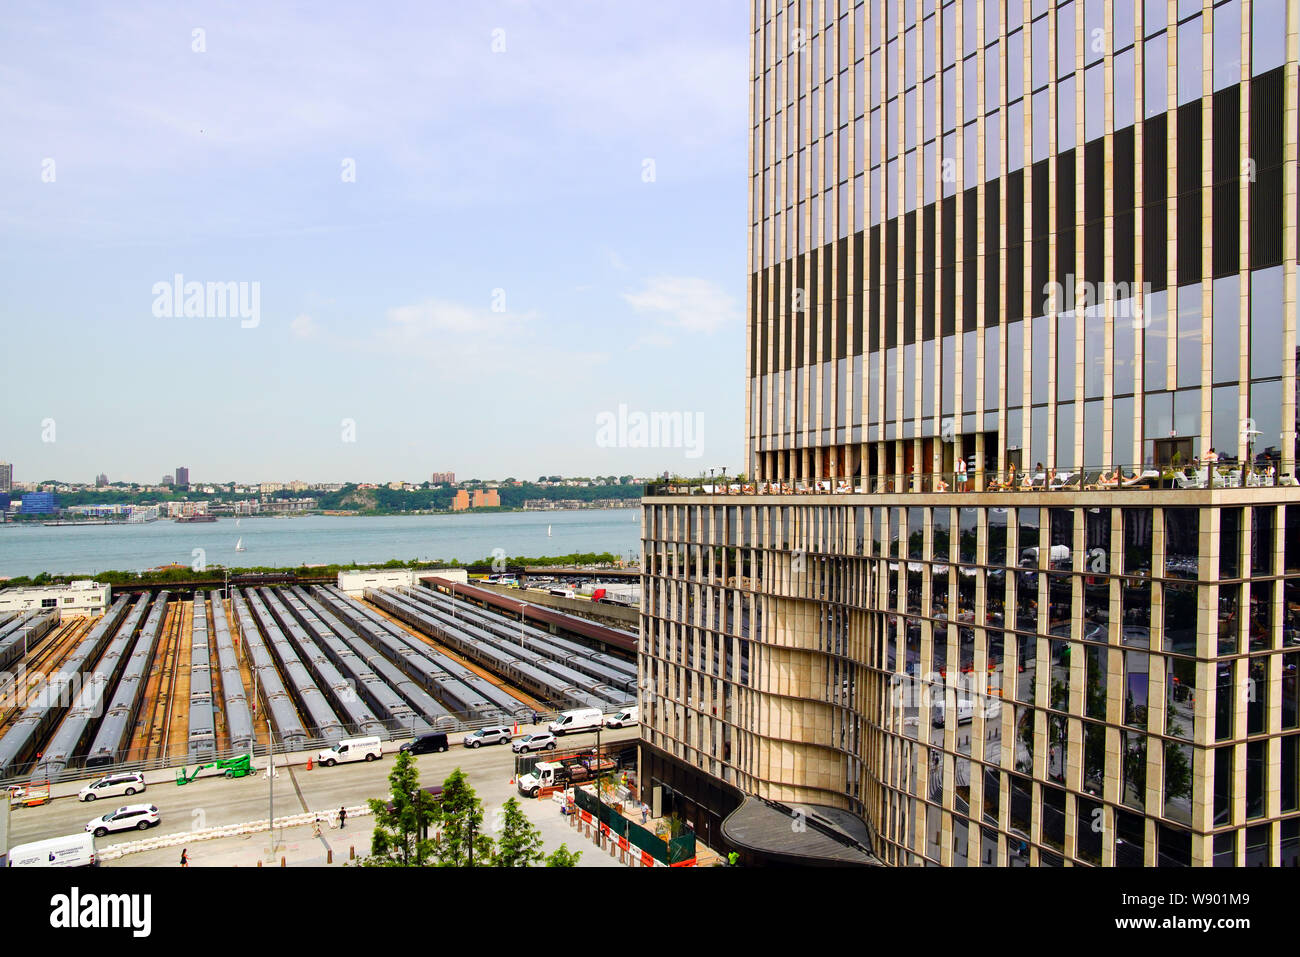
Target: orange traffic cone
[{"x": 309, "y": 762}]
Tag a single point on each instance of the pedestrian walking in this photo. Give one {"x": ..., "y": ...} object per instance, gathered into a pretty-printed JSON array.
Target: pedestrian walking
[
  {"x": 185, "y": 857},
  {"x": 316, "y": 827},
  {"x": 645, "y": 812},
  {"x": 343, "y": 818},
  {"x": 534, "y": 717}
]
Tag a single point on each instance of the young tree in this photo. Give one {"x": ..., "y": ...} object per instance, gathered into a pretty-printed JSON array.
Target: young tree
[
  {"x": 563, "y": 857},
  {"x": 519, "y": 844},
  {"x": 400, "y": 836},
  {"x": 460, "y": 815}
]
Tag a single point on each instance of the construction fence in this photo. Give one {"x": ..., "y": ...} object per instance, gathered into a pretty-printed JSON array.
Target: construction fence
[{"x": 675, "y": 852}]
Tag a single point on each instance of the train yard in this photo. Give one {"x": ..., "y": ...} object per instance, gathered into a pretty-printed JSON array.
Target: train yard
[{"x": 183, "y": 678}]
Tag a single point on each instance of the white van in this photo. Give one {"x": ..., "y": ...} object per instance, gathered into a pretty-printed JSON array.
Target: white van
[
  {"x": 584, "y": 719},
  {"x": 75, "y": 850},
  {"x": 624, "y": 718},
  {"x": 354, "y": 749}
]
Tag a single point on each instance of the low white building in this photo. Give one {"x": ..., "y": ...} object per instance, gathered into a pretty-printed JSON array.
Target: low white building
[
  {"x": 83, "y": 597},
  {"x": 353, "y": 584}
]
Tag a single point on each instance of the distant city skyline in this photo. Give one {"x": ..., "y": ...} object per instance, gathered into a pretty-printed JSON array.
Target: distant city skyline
[
  {"x": 462, "y": 248},
  {"x": 287, "y": 482}
]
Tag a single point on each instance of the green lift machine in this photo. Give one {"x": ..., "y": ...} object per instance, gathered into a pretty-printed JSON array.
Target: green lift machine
[{"x": 231, "y": 768}]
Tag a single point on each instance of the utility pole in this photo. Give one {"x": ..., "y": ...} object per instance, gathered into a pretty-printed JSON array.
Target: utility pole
[{"x": 600, "y": 800}]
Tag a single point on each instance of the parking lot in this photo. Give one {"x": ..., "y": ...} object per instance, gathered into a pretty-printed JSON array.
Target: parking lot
[{"x": 215, "y": 802}]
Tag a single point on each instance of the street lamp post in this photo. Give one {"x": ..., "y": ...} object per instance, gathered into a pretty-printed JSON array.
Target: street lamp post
[{"x": 600, "y": 800}]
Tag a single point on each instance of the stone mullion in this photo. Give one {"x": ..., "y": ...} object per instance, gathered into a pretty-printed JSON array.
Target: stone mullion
[{"x": 1290, "y": 240}]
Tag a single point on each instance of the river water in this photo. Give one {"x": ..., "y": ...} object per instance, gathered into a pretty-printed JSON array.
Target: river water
[{"x": 29, "y": 549}]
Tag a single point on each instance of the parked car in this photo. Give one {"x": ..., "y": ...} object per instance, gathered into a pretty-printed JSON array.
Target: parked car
[
  {"x": 541, "y": 741},
  {"x": 113, "y": 785},
  {"x": 625, "y": 718},
  {"x": 498, "y": 734},
  {"x": 426, "y": 744},
  {"x": 128, "y": 818}
]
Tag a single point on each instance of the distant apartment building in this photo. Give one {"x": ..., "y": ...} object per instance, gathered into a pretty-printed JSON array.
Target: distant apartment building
[
  {"x": 443, "y": 478},
  {"x": 6, "y": 477},
  {"x": 461, "y": 501},
  {"x": 290, "y": 505},
  {"x": 487, "y": 499},
  {"x": 101, "y": 480},
  {"x": 183, "y": 476}
]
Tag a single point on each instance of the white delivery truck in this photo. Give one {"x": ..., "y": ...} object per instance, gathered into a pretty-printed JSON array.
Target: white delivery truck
[
  {"x": 75, "y": 850},
  {"x": 584, "y": 719},
  {"x": 354, "y": 749}
]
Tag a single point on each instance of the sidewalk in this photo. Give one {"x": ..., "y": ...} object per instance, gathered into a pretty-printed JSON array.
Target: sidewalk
[{"x": 296, "y": 845}]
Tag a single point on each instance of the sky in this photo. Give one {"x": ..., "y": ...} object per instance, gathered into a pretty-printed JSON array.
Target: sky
[{"x": 482, "y": 238}]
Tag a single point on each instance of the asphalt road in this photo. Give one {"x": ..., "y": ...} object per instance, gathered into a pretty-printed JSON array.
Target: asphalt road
[{"x": 214, "y": 802}]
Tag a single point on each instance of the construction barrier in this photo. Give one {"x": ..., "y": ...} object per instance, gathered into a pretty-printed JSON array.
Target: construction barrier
[
  {"x": 115, "y": 851},
  {"x": 677, "y": 852}
]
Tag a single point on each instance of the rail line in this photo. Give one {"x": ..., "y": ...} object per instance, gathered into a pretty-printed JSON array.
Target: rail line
[
  {"x": 160, "y": 724},
  {"x": 180, "y": 691}
]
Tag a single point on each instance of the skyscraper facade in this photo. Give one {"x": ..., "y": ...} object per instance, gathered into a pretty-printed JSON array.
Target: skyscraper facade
[
  {"x": 182, "y": 476},
  {"x": 1011, "y": 578},
  {"x": 6, "y": 477}
]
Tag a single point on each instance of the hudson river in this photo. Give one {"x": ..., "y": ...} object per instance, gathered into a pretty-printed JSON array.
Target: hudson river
[{"x": 29, "y": 549}]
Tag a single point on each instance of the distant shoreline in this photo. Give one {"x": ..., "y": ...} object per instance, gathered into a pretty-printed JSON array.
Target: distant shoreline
[{"x": 331, "y": 513}]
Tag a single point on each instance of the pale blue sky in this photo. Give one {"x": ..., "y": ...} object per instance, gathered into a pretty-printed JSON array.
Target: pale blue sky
[{"x": 522, "y": 170}]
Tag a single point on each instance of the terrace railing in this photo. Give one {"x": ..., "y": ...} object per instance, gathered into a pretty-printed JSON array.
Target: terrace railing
[{"x": 1197, "y": 476}]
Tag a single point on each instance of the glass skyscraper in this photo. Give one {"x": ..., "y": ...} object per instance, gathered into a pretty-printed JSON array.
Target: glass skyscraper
[{"x": 1011, "y": 577}]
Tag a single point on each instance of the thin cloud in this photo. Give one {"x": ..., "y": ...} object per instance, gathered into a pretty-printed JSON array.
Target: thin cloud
[
  {"x": 693, "y": 304},
  {"x": 303, "y": 326}
]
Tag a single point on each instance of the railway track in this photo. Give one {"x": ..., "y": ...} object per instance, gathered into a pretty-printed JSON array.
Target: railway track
[
  {"x": 149, "y": 735},
  {"x": 179, "y": 710},
  {"x": 46, "y": 658},
  {"x": 159, "y": 739}
]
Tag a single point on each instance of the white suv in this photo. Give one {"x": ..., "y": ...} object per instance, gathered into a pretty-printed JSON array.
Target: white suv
[
  {"x": 496, "y": 735},
  {"x": 131, "y": 817},
  {"x": 113, "y": 785},
  {"x": 542, "y": 740}
]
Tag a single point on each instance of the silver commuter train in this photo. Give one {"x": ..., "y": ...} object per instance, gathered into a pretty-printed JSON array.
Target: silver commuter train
[
  {"x": 202, "y": 741},
  {"x": 24, "y": 738},
  {"x": 114, "y": 734}
]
